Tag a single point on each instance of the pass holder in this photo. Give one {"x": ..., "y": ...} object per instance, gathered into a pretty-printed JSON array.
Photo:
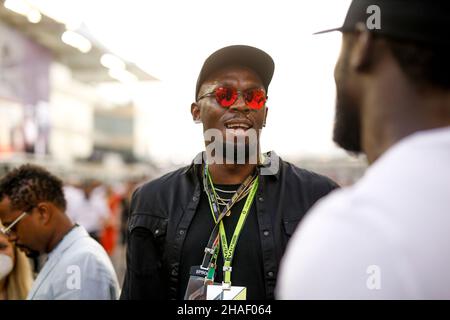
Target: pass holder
[
  {"x": 201, "y": 288},
  {"x": 225, "y": 291},
  {"x": 196, "y": 288}
]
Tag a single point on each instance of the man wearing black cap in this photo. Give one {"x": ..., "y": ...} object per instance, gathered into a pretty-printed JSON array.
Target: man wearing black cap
[
  {"x": 388, "y": 236},
  {"x": 217, "y": 229}
]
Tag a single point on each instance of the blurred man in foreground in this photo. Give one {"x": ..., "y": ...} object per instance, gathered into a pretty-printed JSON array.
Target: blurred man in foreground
[{"x": 388, "y": 236}]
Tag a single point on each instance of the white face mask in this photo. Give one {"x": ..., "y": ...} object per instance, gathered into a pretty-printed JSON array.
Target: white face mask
[{"x": 6, "y": 265}]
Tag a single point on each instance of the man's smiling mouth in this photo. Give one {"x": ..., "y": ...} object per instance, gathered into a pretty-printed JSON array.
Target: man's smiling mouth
[{"x": 238, "y": 124}]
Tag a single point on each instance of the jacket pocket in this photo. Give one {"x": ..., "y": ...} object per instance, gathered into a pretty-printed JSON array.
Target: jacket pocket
[{"x": 156, "y": 225}]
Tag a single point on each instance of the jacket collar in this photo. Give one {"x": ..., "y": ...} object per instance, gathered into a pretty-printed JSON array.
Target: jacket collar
[
  {"x": 73, "y": 235},
  {"x": 270, "y": 165}
]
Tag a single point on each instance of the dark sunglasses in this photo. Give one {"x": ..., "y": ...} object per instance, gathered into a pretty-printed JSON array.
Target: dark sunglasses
[{"x": 226, "y": 96}]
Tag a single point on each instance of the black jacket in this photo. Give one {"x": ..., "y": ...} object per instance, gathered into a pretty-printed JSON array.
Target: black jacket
[{"x": 162, "y": 210}]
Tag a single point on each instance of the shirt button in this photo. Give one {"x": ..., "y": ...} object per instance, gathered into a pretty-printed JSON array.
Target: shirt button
[
  {"x": 266, "y": 233},
  {"x": 156, "y": 231},
  {"x": 261, "y": 199},
  {"x": 174, "y": 272},
  {"x": 270, "y": 274},
  {"x": 194, "y": 198},
  {"x": 181, "y": 232}
]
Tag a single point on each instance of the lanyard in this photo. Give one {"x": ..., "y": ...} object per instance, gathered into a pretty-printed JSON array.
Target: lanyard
[
  {"x": 228, "y": 251},
  {"x": 213, "y": 247}
]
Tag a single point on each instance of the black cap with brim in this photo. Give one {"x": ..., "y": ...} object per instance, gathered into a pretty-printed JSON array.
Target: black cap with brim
[
  {"x": 421, "y": 21},
  {"x": 328, "y": 30},
  {"x": 239, "y": 55}
]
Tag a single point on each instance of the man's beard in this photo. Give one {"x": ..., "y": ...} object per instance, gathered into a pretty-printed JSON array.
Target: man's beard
[
  {"x": 347, "y": 123},
  {"x": 231, "y": 149},
  {"x": 240, "y": 153},
  {"x": 347, "y": 126}
]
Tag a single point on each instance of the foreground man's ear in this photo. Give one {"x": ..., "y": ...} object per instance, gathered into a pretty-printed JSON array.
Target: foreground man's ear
[{"x": 361, "y": 54}]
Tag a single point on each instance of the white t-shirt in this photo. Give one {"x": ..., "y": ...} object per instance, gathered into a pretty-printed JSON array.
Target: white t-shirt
[
  {"x": 386, "y": 237},
  {"x": 89, "y": 213}
]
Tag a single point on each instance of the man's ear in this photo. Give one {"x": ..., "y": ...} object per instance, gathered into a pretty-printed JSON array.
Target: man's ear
[
  {"x": 361, "y": 53},
  {"x": 195, "y": 111},
  {"x": 45, "y": 211}
]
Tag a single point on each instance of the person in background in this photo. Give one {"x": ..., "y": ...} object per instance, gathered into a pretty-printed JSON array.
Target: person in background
[
  {"x": 15, "y": 271},
  {"x": 88, "y": 207},
  {"x": 32, "y": 210},
  {"x": 109, "y": 235}
]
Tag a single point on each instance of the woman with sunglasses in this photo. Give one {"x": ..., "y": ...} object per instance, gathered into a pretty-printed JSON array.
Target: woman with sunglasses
[{"x": 15, "y": 271}]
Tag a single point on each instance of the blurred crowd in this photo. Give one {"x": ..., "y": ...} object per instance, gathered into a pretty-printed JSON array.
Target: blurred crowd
[{"x": 102, "y": 209}]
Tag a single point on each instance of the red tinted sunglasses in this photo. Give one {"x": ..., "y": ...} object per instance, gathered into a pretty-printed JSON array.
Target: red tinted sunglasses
[{"x": 226, "y": 96}]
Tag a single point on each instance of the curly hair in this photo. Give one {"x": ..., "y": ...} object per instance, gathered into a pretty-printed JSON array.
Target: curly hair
[{"x": 29, "y": 185}]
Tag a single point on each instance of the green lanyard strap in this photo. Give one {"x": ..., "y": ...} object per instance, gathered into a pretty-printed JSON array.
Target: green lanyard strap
[
  {"x": 219, "y": 236},
  {"x": 228, "y": 251},
  {"x": 211, "y": 250}
]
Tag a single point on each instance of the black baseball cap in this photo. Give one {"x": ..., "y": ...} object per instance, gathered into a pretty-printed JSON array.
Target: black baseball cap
[
  {"x": 422, "y": 21},
  {"x": 241, "y": 55}
]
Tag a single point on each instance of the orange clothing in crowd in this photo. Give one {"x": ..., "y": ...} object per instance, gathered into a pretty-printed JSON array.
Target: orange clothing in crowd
[{"x": 110, "y": 233}]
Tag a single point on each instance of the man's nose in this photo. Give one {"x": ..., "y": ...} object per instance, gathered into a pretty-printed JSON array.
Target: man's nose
[{"x": 240, "y": 105}]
